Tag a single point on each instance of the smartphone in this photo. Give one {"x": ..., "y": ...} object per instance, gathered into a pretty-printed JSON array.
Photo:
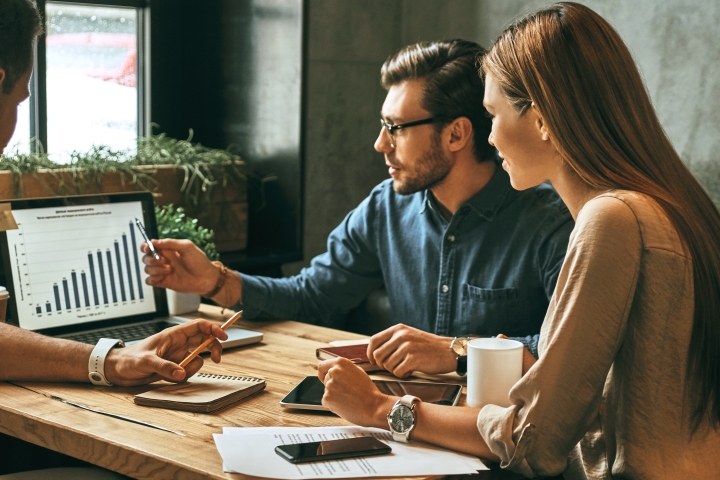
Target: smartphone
[
  {"x": 307, "y": 395},
  {"x": 332, "y": 449}
]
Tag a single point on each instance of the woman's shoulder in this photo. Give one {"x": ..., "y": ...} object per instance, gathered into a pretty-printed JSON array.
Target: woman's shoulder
[
  {"x": 618, "y": 211},
  {"x": 613, "y": 209}
]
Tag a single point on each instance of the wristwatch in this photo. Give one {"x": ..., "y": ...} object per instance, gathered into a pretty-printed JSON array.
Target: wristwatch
[
  {"x": 96, "y": 364},
  {"x": 459, "y": 346},
  {"x": 401, "y": 418}
]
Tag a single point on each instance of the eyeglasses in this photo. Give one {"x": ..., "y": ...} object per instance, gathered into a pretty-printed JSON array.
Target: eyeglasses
[{"x": 391, "y": 129}]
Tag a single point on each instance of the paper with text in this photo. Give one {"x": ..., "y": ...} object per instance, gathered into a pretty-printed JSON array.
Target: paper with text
[{"x": 251, "y": 451}]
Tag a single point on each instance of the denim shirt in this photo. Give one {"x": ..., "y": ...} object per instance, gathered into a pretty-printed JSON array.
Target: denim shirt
[{"x": 490, "y": 269}]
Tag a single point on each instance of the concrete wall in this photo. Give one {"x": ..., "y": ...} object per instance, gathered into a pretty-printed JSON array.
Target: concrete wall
[{"x": 675, "y": 42}]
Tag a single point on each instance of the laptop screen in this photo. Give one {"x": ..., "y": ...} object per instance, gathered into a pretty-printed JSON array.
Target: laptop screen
[{"x": 77, "y": 261}]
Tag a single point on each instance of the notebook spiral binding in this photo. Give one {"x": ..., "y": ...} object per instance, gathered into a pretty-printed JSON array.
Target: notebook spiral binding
[{"x": 230, "y": 377}]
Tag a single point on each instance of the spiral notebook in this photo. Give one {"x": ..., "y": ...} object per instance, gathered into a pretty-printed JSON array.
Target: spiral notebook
[{"x": 202, "y": 393}]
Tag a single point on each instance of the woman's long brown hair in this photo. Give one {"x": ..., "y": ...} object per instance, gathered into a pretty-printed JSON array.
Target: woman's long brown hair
[{"x": 582, "y": 78}]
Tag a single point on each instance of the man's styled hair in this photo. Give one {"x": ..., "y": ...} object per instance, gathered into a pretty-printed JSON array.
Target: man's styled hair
[
  {"x": 453, "y": 87},
  {"x": 20, "y": 25}
]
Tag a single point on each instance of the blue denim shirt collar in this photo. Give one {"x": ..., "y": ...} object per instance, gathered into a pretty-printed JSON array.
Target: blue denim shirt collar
[{"x": 487, "y": 202}]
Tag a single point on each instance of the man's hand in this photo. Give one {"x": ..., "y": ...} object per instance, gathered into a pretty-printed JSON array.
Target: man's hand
[
  {"x": 403, "y": 350},
  {"x": 182, "y": 267},
  {"x": 528, "y": 359},
  {"x": 157, "y": 357},
  {"x": 352, "y": 395}
]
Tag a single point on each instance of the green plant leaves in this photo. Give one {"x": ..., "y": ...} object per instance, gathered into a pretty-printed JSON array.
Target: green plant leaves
[
  {"x": 173, "y": 223},
  {"x": 204, "y": 167}
]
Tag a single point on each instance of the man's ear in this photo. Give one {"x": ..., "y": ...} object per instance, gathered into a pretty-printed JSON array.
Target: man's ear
[
  {"x": 540, "y": 124},
  {"x": 460, "y": 133},
  {"x": 2, "y": 78}
]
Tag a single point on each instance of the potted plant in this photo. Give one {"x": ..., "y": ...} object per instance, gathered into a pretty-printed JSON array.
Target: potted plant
[
  {"x": 211, "y": 184},
  {"x": 173, "y": 223}
]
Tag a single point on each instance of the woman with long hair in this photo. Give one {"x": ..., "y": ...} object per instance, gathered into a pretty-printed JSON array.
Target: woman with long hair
[{"x": 628, "y": 379}]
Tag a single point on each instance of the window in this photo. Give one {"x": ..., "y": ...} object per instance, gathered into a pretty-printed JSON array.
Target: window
[
  {"x": 88, "y": 85},
  {"x": 20, "y": 140}
]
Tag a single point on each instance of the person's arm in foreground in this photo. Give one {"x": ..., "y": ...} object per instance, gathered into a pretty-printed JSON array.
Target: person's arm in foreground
[
  {"x": 350, "y": 393},
  {"x": 26, "y": 355}
]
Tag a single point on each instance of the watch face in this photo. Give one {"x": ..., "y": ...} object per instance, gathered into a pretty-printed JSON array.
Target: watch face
[
  {"x": 401, "y": 419},
  {"x": 460, "y": 346}
]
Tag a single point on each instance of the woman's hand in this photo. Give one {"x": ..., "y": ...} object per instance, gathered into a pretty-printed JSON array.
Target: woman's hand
[{"x": 351, "y": 394}]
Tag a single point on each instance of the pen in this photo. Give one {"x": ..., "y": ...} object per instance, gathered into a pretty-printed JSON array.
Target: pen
[
  {"x": 147, "y": 240},
  {"x": 207, "y": 342}
]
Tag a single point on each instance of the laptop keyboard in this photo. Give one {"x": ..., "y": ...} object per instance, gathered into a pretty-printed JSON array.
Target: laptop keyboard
[{"x": 127, "y": 333}]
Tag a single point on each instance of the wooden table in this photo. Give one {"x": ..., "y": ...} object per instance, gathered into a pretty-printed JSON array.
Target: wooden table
[{"x": 286, "y": 355}]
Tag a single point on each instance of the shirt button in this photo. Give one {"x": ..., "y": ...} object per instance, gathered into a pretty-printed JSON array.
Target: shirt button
[
  {"x": 451, "y": 238},
  {"x": 445, "y": 288}
]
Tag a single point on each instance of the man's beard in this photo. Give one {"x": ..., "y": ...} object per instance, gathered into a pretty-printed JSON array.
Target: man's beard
[{"x": 429, "y": 170}]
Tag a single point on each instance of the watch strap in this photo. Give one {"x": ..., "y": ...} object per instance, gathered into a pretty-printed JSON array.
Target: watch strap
[
  {"x": 461, "y": 365},
  {"x": 96, "y": 363},
  {"x": 409, "y": 401}
]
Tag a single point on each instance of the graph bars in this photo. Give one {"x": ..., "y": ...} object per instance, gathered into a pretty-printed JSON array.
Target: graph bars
[{"x": 108, "y": 275}]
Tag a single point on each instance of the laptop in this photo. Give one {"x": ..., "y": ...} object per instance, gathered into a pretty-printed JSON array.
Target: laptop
[{"x": 74, "y": 270}]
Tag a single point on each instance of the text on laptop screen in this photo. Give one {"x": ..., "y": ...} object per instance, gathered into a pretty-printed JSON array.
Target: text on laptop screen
[{"x": 78, "y": 264}]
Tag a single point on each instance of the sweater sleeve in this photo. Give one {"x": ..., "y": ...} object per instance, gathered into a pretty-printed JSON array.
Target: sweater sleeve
[
  {"x": 558, "y": 400},
  {"x": 335, "y": 281}
]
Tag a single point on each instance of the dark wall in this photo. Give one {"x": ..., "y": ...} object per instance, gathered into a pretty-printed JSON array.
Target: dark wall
[{"x": 232, "y": 72}]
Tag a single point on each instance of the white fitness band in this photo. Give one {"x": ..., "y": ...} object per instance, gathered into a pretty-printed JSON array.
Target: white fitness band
[{"x": 96, "y": 364}]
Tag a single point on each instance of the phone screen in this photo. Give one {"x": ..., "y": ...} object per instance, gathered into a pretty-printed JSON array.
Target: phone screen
[
  {"x": 332, "y": 449},
  {"x": 310, "y": 391}
]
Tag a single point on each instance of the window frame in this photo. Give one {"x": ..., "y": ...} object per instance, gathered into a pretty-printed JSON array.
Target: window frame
[{"x": 38, "y": 81}]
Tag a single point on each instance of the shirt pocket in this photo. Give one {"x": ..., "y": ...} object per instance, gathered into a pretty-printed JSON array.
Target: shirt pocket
[{"x": 489, "y": 311}]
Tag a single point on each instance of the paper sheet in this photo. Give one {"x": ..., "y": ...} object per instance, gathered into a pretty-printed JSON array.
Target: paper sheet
[{"x": 251, "y": 451}]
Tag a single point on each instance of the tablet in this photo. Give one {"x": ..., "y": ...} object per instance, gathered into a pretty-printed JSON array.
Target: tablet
[{"x": 307, "y": 395}]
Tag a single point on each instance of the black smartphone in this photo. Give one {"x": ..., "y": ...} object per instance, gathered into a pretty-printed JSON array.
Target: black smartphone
[{"x": 332, "y": 449}]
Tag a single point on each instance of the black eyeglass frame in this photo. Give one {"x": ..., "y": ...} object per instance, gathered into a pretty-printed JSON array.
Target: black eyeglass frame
[{"x": 391, "y": 129}]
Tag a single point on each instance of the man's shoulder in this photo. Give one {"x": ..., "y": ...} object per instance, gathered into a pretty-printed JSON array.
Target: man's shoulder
[
  {"x": 541, "y": 210},
  {"x": 543, "y": 199}
]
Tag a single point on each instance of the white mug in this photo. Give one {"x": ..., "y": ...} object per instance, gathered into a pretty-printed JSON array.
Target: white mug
[{"x": 494, "y": 365}]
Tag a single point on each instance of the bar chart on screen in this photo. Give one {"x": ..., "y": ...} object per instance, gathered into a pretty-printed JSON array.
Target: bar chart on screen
[{"x": 78, "y": 264}]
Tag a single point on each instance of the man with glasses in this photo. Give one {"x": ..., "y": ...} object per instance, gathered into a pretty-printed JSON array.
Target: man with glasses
[{"x": 458, "y": 251}]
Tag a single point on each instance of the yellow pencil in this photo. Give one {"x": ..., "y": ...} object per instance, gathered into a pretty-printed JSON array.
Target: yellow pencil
[{"x": 207, "y": 342}]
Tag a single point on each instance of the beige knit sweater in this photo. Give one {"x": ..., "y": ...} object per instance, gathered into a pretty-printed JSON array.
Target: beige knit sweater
[{"x": 613, "y": 347}]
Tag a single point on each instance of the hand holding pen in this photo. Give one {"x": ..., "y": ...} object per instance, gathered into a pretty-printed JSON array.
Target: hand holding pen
[{"x": 182, "y": 267}]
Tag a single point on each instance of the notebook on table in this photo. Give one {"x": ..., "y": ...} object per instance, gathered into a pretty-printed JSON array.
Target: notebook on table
[
  {"x": 203, "y": 393},
  {"x": 74, "y": 269}
]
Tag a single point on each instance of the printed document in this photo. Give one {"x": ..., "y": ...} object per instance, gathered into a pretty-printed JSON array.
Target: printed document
[{"x": 251, "y": 451}]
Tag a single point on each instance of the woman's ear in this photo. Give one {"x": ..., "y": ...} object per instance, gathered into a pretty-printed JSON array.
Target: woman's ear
[
  {"x": 540, "y": 124},
  {"x": 2, "y": 78}
]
